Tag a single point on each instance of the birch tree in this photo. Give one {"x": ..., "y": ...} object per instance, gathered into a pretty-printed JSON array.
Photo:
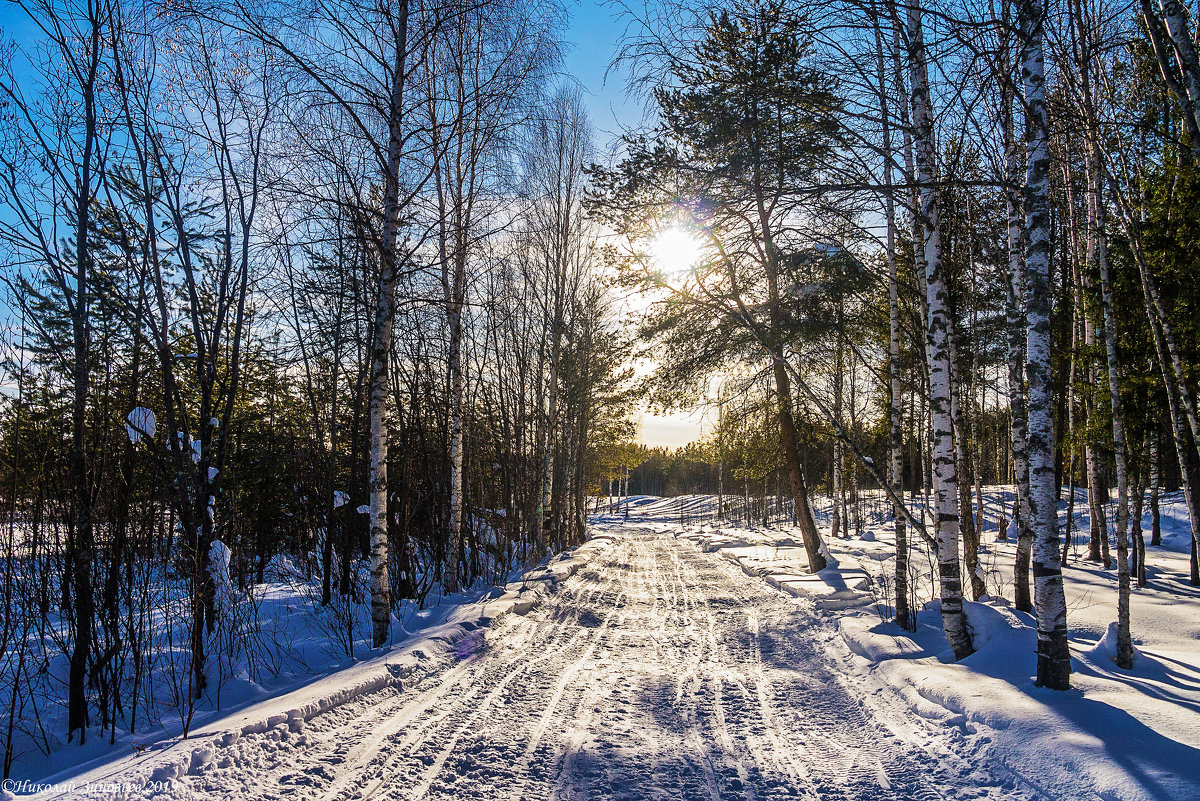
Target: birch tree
[
  {"x": 1054, "y": 658},
  {"x": 558, "y": 149},
  {"x": 946, "y": 512},
  {"x": 1086, "y": 41}
]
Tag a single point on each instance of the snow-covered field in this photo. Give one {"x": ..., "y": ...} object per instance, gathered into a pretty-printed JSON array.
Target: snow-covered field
[{"x": 699, "y": 662}]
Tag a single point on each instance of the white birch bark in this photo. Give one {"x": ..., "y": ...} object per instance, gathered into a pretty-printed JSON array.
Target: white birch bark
[
  {"x": 546, "y": 497},
  {"x": 954, "y": 618},
  {"x": 1155, "y": 483},
  {"x": 1014, "y": 287},
  {"x": 895, "y": 389},
  {"x": 454, "y": 314},
  {"x": 1168, "y": 65},
  {"x": 970, "y": 535},
  {"x": 1175, "y": 18},
  {"x": 1017, "y": 410},
  {"x": 1054, "y": 660},
  {"x": 1121, "y": 534},
  {"x": 1098, "y": 255},
  {"x": 381, "y": 346},
  {"x": 1098, "y": 522}
]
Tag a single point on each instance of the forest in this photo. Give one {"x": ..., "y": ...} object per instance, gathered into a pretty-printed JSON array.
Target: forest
[{"x": 352, "y": 295}]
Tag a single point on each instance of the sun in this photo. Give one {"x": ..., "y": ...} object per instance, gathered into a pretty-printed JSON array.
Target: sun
[{"x": 675, "y": 250}]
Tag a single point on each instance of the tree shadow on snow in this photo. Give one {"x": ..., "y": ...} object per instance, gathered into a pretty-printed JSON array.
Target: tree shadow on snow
[{"x": 1167, "y": 769}]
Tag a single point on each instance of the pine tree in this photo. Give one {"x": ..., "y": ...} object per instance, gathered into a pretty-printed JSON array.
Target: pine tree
[{"x": 746, "y": 126}]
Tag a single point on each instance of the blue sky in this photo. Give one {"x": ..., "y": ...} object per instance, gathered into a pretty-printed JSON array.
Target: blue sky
[{"x": 592, "y": 36}]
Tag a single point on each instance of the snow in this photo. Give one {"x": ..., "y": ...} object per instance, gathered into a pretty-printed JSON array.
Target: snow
[
  {"x": 649, "y": 669},
  {"x": 1128, "y": 735},
  {"x": 1106, "y": 648},
  {"x": 674, "y": 656},
  {"x": 281, "y": 569},
  {"x": 219, "y": 557},
  {"x": 140, "y": 423},
  {"x": 340, "y": 499},
  {"x": 426, "y": 641}
]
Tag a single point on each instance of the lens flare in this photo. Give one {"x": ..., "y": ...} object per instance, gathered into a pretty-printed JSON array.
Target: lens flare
[{"x": 675, "y": 250}]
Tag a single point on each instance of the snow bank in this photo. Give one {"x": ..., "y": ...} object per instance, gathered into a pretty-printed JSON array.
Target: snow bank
[
  {"x": 1100, "y": 739},
  {"x": 779, "y": 561},
  {"x": 453, "y": 639}
]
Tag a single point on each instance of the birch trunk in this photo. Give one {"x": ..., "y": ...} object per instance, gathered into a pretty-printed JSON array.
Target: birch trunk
[
  {"x": 1099, "y": 246},
  {"x": 1098, "y": 529},
  {"x": 1175, "y": 18},
  {"x": 839, "y": 452},
  {"x": 976, "y": 438},
  {"x": 547, "y": 477},
  {"x": 381, "y": 345},
  {"x": 1097, "y": 521},
  {"x": 895, "y": 390},
  {"x": 954, "y": 618},
  {"x": 1098, "y": 256},
  {"x": 1138, "y": 540},
  {"x": 454, "y": 313},
  {"x": 1018, "y": 412},
  {"x": 836, "y": 520},
  {"x": 964, "y": 469},
  {"x": 1155, "y": 483},
  {"x": 1054, "y": 659}
]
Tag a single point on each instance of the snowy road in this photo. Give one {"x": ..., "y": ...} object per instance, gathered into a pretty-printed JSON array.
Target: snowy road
[{"x": 658, "y": 671}]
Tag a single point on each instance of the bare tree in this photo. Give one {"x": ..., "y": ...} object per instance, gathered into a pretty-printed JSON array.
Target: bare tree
[{"x": 53, "y": 157}]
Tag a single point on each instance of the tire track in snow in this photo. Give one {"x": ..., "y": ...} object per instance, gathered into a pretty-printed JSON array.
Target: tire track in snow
[{"x": 657, "y": 671}]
